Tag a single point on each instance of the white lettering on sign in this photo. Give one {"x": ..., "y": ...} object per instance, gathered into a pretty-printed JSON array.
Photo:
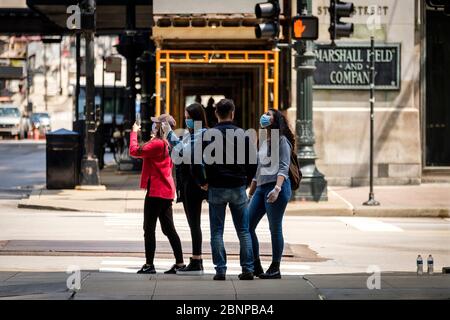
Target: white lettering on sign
[
  {"x": 353, "y": 56},
  {"x": 359, "y": 10},
  {"x": 348, "y": 66},
  {"x": 350, "y": 77}
]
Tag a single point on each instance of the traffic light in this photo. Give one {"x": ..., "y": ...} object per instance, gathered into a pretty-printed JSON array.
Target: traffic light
[
  {"x": 270, "y": 12},
  {"x": 305, "y": 28},
  {"x": 339, "y": 9}
]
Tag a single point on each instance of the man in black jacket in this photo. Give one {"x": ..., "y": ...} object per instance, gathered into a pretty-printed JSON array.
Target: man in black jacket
[{"x": 229, "y": 170}]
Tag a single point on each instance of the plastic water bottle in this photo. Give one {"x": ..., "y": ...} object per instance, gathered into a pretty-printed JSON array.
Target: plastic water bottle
[
  {"x": 419, "y": 265},
  {"x": 430, "y": 264}
]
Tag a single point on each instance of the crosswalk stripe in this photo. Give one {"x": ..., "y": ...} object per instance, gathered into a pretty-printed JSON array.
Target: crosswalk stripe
[{"x": 369, "y": 224}]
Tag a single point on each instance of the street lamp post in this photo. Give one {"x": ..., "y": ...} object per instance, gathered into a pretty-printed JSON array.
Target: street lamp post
[
  {"x": 45, "y": 78},
  {"x": 371, "y": 201},
  {"x": 313, "y": 186},
  {"x": 89, "y": 163}
]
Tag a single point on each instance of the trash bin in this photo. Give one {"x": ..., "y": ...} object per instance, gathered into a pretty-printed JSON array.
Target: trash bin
[{"x": 63, "y": 159}]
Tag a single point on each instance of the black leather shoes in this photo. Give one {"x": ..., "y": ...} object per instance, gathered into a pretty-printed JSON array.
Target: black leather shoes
[
  {"x": 270, "y": 275},
  {"x": 174, "y": 269},
  {"x": 195, "y": 267},
  {"x": 246, "y": 276},
  {"x": 258, "y": 268},
  {"x": 273, "y": 272},
  {"x": 219, "y": 276}
]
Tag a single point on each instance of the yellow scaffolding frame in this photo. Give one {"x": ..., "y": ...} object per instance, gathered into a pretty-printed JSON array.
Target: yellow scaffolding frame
[{"x": 164, "y": 59}]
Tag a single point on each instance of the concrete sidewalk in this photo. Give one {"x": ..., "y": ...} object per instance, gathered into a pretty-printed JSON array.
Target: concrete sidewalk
[
  {"x": 112, "y": 286},
  {"x": 122, "y": 195}
]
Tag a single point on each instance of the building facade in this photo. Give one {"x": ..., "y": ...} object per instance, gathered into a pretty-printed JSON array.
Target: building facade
[
  {"x": 342, "y": 114},
  {"x": 209, "y": 48},
  {"x": 412, "y": 116}
]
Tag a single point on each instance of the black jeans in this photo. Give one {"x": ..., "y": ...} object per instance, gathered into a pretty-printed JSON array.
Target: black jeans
[
  {"x": 192, "y": 202},
  {"x": 155, "y": 208}
]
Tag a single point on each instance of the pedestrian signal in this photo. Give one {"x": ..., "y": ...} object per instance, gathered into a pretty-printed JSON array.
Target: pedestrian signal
[{"x": 305, "y": 28}]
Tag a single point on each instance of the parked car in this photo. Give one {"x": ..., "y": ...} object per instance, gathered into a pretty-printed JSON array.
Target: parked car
[
  {"x": 11, "y": 123},
  {"x": 41, "y": 121}
]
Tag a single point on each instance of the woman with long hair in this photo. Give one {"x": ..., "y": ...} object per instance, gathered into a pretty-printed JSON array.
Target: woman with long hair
[
  {"x": 157, "y": 179},
  {"x": 191, "y": 181},
  {"x": 270, "y": 190}
]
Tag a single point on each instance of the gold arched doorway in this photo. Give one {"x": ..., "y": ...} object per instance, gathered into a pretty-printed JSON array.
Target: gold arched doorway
[{"x": 267, "y": 59}]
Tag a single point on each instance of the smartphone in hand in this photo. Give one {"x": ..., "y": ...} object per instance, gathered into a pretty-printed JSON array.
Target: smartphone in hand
[{"x": 138, "y": 119}]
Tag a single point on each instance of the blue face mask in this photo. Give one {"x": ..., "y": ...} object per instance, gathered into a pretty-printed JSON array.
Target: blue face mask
[
  {"x": 189, "y": 123},
  {"x": 264, "y": 121}
]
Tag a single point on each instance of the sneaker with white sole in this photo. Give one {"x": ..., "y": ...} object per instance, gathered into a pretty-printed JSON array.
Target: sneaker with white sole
[{"x": 147, "y": 269}]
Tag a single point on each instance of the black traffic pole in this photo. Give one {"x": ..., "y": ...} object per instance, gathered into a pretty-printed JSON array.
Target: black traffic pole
[
  {"x": 60, "y": 66},
  {"x": 372, "y": 201},
  {"x": 129, "y": 48},
  {"x": 313, "y": 186},
  {"x": 114, "y": 104},
  {"x": 103, "y": 87},
  {"x": 45, "y": 78},
  {"x": 89, "y": 164},
  {"x": 148, "y": 82},
  {"x": 29, "y": 82},
  {"x": 78, "y": 74},
  {"x": 147, "y": 69}
]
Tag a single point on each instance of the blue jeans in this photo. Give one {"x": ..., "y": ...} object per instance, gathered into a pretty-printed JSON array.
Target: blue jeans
[
  {"x": 259, "y": 206},
  {"x": 218, "y": 199}
]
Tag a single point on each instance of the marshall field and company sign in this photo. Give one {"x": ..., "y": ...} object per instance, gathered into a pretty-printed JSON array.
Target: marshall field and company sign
[{"x": 347, "y": 66}]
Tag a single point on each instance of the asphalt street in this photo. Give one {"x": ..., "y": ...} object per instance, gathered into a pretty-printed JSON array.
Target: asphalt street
[{"x": 22, "y": 165}]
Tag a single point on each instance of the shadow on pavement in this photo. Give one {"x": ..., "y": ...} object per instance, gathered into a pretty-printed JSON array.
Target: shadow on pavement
[{"x": 111, "y": 286}]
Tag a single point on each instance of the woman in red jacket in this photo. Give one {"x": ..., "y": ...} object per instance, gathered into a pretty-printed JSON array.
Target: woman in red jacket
[{"x": 157, "y": 179}]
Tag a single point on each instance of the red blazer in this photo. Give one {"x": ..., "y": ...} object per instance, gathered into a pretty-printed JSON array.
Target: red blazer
[{"x": 156, "y": 168}]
